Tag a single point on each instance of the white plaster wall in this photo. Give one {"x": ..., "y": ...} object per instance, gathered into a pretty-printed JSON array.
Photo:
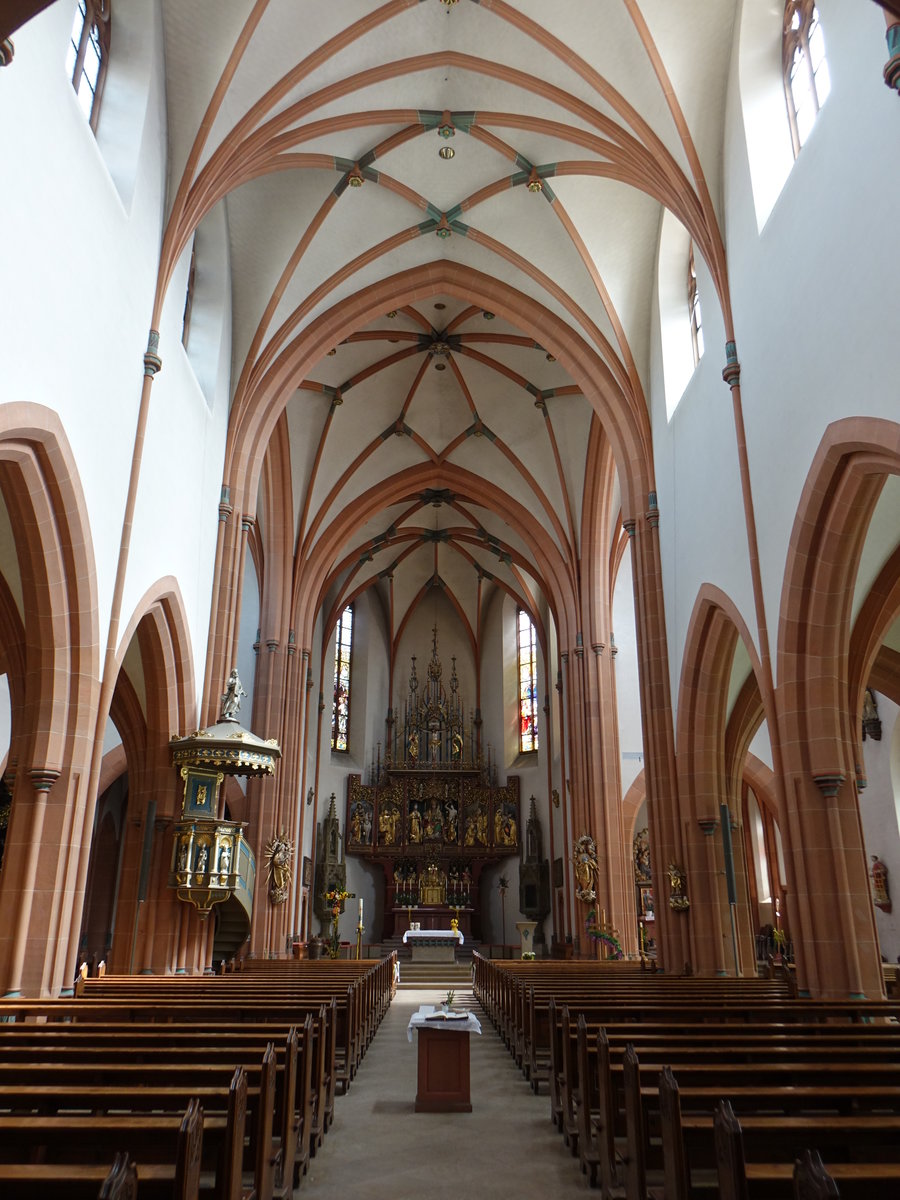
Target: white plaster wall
[
  {"x": 814, "y": 294},
  {"x": 628, "y": 698},
  {"x": 5, "y": 720},
  {"x": 701, "y": 527},
  {"x": 368, "y": 703},
  {"x": 878, "y": 806},
  {"x": 814, "y": 302},
  {"x": 75, "y": 314}
]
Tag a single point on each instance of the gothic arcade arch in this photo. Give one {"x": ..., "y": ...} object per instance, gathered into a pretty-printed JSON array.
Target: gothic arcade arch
[
  {"x": 819, "y": 711},
  {"x": 715, "y": 628},
  {"x": 53, "y": 675}
]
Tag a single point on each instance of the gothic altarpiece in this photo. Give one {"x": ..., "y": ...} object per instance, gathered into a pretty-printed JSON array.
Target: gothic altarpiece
[{"x": 432, "y": 817}]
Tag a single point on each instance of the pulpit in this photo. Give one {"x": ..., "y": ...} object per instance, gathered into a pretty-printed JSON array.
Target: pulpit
[{"x": 443, "y": 1068}]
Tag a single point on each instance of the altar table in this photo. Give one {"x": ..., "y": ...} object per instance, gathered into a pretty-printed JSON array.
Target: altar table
[
  {"x": 443, "y": 1075},
  {"x": 433, "y": 945}
]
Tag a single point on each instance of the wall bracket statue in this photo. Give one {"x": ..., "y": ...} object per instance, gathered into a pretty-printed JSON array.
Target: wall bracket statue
[
  {"x": 586, "y": 869},
  {"x": 279, "y": 855},
  {"x": 678, "y": 899}
]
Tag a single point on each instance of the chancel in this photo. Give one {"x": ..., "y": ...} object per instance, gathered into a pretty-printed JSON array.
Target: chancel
[{"x": 450, "y": 506}]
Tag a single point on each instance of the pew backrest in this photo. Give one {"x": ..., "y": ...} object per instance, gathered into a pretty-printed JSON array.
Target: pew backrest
[
  {"x": 121, "y": 1182},
  {"x": 729, "y": 1154},
  {"x": 811, "y": 1180},
  {"x": 190, "y": 1154}
]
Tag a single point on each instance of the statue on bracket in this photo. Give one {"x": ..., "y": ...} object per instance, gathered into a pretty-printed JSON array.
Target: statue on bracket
[
  {"x": 279, "y": 854},
  {"x": 641, "y": 847},
  {"x": 586, "y": 869},
  {"x": 678, "y": 899}
]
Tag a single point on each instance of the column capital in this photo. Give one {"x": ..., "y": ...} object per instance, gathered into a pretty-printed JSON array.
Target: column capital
[
  {"x": 629, "y": 525},
  {"x": 652, "y": 511},
  {"x": 43, "y": 778},
  {"x": 152, "y": 361},
  {"x": 225, "y": 506},
  {"x": 892, "y": 66},
  {"x": 731, "y": 372},
  {"x": 829, "y": 784},
  {"x": 7, "y": 50}
]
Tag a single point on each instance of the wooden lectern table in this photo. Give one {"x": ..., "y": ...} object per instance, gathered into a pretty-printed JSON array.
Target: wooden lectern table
[{"x": 443, "y": 1075}]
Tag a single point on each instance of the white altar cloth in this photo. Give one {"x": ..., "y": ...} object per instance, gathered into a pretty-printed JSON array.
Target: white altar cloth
[
  {"x": 471, "y": 1024},
  {"x": 422, "y": 935}
]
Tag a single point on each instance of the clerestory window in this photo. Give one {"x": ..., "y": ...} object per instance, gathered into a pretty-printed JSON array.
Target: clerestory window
[
  {"x": 340, "y": 713},
  {"x": 807, "y": 81},
  {"x": 526, "y": 642},
  {"x": 694, "y": 308},
  {"x": 88, "y": 54}
]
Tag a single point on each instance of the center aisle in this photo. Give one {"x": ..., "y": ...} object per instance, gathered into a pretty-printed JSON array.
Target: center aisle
[{"x": 505, "y": 1148}]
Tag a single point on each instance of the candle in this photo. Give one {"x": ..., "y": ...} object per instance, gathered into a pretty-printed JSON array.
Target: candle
[{"x": 360, "y": 910}]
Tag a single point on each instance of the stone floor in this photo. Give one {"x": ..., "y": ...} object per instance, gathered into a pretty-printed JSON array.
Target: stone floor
[{"x": 505, "y": 1149}]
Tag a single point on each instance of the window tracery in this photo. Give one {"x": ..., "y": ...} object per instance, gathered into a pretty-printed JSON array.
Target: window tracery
[
  {"x": 526, "y": 645},
  {"x": 807, "y": 80},
  {"x": 340, "y": 713},
  {"x": 88, "y": 55},
  {"x": 189, "y": 298},
  {"x": 694, "y": 308}
]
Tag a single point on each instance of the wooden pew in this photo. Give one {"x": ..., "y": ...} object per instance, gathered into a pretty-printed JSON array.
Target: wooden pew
[
  {"x": 178, "y": 1180},
  {"x": 742, "y": 1180},
  {"x": 48, "y": 1100},
  {"x": 155, "y": 1046}
]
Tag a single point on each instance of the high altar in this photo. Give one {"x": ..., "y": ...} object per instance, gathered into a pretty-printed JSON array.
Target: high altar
[{"x": 432, "y": 816}]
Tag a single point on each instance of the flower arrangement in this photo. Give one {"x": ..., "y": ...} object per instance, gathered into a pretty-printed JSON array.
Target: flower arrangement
[
  {"x": 594, "y": 930},
  {"x": 451, "y": 996},
  {"x": 528, "y": 955},
  {"x": 335, "y": 898}
]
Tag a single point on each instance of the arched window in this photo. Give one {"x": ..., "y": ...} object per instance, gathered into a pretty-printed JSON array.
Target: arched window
[
  {"x": 88, "y": 54},
  {"x": 805, "y": 67},
  {"x": 526, "y": 644},
  {"x": 340, "y": 713},
  {"x": 694, "y": 307}
]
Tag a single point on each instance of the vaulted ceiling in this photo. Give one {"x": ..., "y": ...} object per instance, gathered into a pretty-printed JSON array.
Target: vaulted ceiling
[{"x": 532, "y": 145}]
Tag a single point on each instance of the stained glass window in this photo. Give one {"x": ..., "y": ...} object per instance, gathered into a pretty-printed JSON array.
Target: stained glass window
[
  {"x": 88, "y": 54},
  {"x": 807, "y": 81},
  {"x": 694, "y": 305},
  {"x": 340, "y": 716},
  {"x": 528, "y": 703}
]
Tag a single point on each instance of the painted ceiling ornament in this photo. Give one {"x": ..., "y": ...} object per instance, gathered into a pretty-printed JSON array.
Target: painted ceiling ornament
[
  {"x": 586, "y": 869},
  {"x": 279, "y": 856},
  {"x": 677, "y": 888}
]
